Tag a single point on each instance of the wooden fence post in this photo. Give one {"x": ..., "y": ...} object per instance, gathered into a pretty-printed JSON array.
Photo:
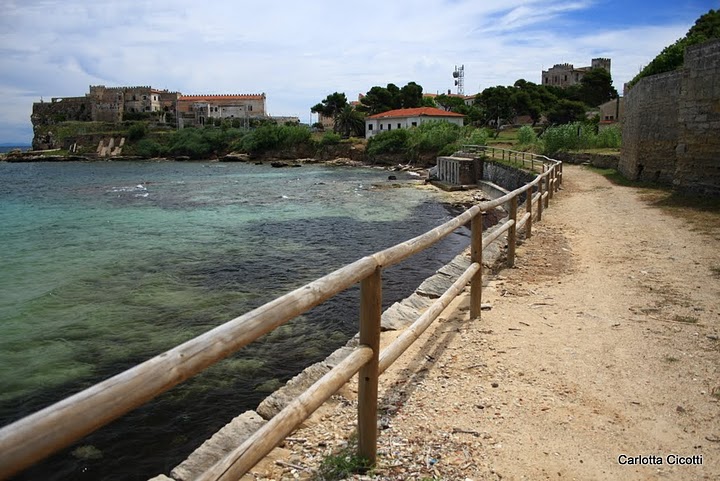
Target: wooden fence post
[
  {"x": 560, "y": 179},
  {"x": 528, "y": 209},
  {"x": 551, "y": 183},
  {"x": 476, "y": 256},
  {"x": 512, "y": 232},
  {"x": 540, "y": 200},
  {"x": 370, "y": 312}
]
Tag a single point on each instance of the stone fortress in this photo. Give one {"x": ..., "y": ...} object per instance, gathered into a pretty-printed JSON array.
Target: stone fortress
[
  {"x": 113, "y": 104},
  {"x": 566, "y": 75}
]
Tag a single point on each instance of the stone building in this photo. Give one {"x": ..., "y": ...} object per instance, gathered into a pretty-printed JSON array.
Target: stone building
[
  {"x": 407, "y": 118},
  {"x": 671, "y": 129},
  {"x": 612, "y": 110},
  {"x": 565, "y": 74},
  {"x": 200, "y": 109},
  {"x": 111, "y": 104}
]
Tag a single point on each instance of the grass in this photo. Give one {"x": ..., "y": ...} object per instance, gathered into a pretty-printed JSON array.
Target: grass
[
  {"x": 603, "y": 151},
  {"x": 343, "y": 464},
  {"x": 671, "y": 359}
]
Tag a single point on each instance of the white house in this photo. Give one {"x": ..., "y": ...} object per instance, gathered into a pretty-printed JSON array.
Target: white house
[{"x": 407, "y": 118}]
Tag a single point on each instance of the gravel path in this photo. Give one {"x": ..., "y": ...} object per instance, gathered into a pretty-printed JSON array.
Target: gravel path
[{"x": 602, "y": 348}]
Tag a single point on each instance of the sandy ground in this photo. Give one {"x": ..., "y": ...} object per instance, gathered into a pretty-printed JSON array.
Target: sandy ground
[{"x": 602, "y": 345}]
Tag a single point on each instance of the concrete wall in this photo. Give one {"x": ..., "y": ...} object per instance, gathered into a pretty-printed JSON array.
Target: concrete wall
[
  {"x": 671, "y": 130},
  {"x": 457, "y": 170},
  {"x": 505, "y": 176}
]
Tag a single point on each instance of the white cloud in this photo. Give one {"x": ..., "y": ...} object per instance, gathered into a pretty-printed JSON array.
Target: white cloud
[{"x": 297, "y": 52}]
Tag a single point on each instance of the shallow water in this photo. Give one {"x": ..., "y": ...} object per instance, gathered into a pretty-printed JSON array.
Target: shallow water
[{"x": 104, "y": 265}]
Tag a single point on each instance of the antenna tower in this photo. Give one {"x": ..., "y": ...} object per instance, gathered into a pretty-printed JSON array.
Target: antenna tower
[{"x": 459, "y": 76}]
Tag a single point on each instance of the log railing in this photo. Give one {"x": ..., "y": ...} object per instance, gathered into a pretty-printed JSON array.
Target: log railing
[
  {"x": 38, "y": 435},
  {"x": 515, "y": 158}
]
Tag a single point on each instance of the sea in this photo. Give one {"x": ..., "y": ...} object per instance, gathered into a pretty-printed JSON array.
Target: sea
[{"x": 104, "y": 265}]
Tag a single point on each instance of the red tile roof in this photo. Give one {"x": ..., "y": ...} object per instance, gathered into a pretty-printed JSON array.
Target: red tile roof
[
  {"x": 416, "y": 112},
  {"x": 222, "y": 97}
]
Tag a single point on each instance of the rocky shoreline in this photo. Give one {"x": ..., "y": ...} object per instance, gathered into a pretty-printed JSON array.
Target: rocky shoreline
[{"x": 397, "y": 317}]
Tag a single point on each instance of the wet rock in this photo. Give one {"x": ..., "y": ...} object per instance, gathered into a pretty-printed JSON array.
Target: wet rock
[
  {"x": 218, "y": 446},
  {"x": 275, "y": 402}
]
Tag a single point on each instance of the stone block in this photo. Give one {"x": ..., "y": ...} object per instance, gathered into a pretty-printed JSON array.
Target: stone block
[{"x": 218, "y": 446}]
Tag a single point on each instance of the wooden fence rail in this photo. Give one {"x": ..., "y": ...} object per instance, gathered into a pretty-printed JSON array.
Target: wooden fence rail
[{"x": 38, "y": 435}]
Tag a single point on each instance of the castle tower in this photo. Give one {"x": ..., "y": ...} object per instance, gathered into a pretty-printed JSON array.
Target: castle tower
[{"x": 601, "y": 63}]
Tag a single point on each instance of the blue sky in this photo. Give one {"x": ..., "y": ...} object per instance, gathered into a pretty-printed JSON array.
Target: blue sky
[{"x": 298, "y": 52}]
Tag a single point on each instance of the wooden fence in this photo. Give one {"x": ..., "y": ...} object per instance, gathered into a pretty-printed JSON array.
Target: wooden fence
[{"x": 38, "y": 435}]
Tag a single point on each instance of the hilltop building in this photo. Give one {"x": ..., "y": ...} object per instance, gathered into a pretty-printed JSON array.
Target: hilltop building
[{"x": 565, "y": 74}]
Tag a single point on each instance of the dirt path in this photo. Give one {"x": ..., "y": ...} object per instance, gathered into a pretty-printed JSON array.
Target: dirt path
[{"x": 603, "y": 342}]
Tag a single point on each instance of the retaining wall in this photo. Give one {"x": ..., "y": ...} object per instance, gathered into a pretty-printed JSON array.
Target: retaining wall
[{"x": 671, "y": 130}]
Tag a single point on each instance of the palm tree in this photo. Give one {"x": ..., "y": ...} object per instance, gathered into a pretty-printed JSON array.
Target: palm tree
[{"x": 349, "y": 121}]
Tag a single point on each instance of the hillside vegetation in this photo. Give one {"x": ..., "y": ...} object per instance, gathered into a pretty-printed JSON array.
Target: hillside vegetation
[{"x": 707, "y": 27}]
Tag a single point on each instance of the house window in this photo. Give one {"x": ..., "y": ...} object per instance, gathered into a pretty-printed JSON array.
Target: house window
[
  {"x": 414, "y": 124},
  {"x": 370, "y": 127},
  {"x": 249, "y": 107},
  {"x": 389, "y": 126},
  {"x": 399, "y": 125},
  {"x": 566, "y": 78},
  {"x": 381, "y": 126},
  {"x": 144, "y": 97}
]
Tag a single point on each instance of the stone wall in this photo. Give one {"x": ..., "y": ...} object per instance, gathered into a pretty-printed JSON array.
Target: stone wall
[
  {"x": 503, "y": 175},
  {"x": 671, "y": 130},
  {"x": 650, "y": 129},
  {"x": 698, "y": 150}
]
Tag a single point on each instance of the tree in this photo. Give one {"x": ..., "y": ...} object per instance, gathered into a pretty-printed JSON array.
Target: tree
[
  {"x": 566, "y": 111},
  {"x": 381, "y": 99},
  {"x": 596, "y": 87},
  {"x": 411, "y": 96},
  {"x": 497, "y": 103},
  {"x": 331, "y": 105},
  {"x": 449, "y": 102},
  {"x": 349, "y": 122}
]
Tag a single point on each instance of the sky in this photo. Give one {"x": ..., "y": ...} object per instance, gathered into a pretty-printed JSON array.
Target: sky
[{"x": 298, "y": 52}]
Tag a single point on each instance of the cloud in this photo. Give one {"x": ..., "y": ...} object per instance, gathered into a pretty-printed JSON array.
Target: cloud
[{"x": 298, "y": 52}]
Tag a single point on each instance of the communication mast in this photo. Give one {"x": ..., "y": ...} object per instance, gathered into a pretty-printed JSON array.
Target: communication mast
[{"x": 459, "y": 76}]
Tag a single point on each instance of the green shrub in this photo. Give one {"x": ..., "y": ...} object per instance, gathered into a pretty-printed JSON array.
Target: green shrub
[
  {"x": 608, "y": 137},
  {"x": 271, "y": 136},
  {"x": 388, "y": 142},
  {"x": 137, "y": 131},
  {"x": 579, "y": 135},
  {"x": 149, "y": 148},
  {"x": 526, "y": 135},
  {"x": 330, "y": 138},
  {"x": 432, "y": 136},
  {"x": 476, "y": 137}
]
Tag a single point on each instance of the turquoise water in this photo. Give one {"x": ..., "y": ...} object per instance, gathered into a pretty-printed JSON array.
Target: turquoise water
[{"x": 104, "y": 265}]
